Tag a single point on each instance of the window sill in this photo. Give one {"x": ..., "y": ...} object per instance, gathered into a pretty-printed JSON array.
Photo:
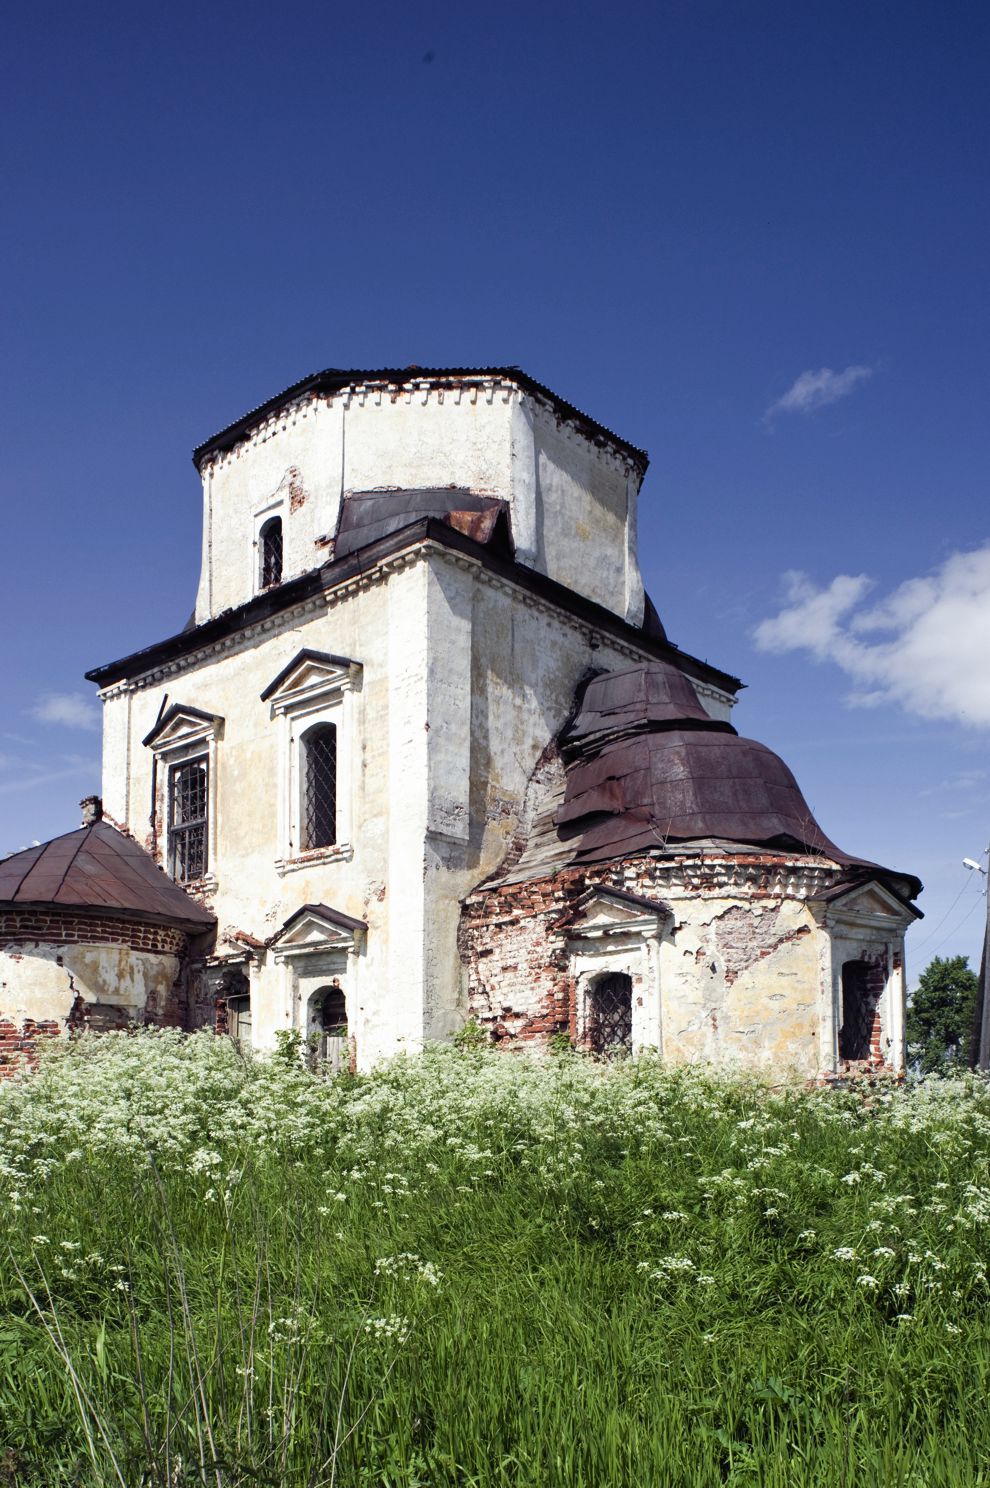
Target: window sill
[
  {"x": 341, "y": 852},
  {"x": 196, "y": 886}
]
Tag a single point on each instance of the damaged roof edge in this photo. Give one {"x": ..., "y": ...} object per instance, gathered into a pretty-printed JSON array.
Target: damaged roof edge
[
  {"x": 429, "y": 529},
  {"x": 335, "y": 379}
]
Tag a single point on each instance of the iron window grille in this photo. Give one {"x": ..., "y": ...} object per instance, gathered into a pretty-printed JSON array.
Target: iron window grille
[
  {"x": 320, "y": 787},
  {"x": 271, "y": 553},
  {"x": 610, "y": 1016},
  {"x": 188, "y": 807}
]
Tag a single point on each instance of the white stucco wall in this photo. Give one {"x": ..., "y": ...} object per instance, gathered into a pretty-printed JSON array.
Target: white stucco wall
[
  {"x": 40, "y": 982},
  {"x": 464, "y": 679},
  {"x": 572, "y": 500}
]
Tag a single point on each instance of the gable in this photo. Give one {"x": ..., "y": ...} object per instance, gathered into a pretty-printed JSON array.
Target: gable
[
  {"x": 318, "y": 927},
  {"x": 310, "y": 674},
  {"x": 872, "y": 902},
  {"x": 183, "y": 724},
  {"x": 605, "y": 911}
]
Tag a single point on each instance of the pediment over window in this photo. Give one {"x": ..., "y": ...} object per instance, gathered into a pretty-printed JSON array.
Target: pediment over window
[
  {"x": 182, "y": 725},
  {"x": 309, "y": 675},
  {"x": 605, "y": 911},
  {"x": 872, "y": 901},
  {"x": 316, "y": 928}
]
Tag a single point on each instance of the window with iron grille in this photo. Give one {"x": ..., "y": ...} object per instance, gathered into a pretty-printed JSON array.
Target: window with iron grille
[
  {"x": 610, "y": 1015},
  {"x": 270, "y": 539},
  {"x": 319, "y": 749},
  {"x": 187, "y": 820}
]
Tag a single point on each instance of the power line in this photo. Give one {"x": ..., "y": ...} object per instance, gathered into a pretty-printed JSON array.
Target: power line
[{"x": 932, "y": 933}]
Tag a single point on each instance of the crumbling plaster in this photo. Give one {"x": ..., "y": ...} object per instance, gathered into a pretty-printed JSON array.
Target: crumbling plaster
[
  {"x": 447, "y": 653},
  {"x": 746, "y": 970},
  {"x": 572, "y": 500}
]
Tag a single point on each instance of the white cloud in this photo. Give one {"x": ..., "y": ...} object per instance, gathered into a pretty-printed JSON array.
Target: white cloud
[
  {"x": 925, "y": 647},
  {"x": 68, "y": 708},
  {"x": 817, "y": 389}
]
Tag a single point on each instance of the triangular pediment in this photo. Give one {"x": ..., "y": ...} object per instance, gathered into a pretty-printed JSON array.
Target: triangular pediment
[
  {"x": 309, "y": 674},
  {"x": 873, "y": 901},
  {"x": 604, "y": 911},
  {"x": 183, "y": 724},
  {"x": 317, "y": 927}
]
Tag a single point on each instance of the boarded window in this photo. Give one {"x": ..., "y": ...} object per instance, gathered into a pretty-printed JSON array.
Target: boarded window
[
  {"x": 239, "y": 1020},
  {"x": 328, "y": 1026},
  {"x": 319, "y": 748},
  {"x": 187, "y": 830},
  {"x": 862, "y": 984},
  {"x": 610, "y": 1015},
  {"x": 271, "y": 552}
]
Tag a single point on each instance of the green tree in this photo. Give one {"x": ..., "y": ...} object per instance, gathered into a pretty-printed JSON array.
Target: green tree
[{"x": 940, "y": 1015}]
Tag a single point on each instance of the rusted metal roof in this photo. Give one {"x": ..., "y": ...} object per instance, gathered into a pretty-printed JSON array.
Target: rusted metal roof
[
  {"x": 97, "y": 868},
  {"x": 616, "y": 703},
  {"x": 368, "y": 516},
  {"x": 336, "y": 379},
  {"x": 646, "y": 770}
]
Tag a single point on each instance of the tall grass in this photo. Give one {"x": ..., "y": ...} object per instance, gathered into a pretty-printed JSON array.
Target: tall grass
[{"x": 475, "y": 1270}]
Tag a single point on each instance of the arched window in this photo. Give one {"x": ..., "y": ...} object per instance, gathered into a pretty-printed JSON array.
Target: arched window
[
  {"x": 270, "y": 542},
  {"x": 319, "y": 773},
  {"x": 328, "y": 1027},
  {"x": 610, "y": 1015}
]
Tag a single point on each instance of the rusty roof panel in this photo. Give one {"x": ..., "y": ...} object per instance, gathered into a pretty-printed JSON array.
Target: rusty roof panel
[
  {"x": 97, "y": 867},
  {"x": 368, "y": 516}
]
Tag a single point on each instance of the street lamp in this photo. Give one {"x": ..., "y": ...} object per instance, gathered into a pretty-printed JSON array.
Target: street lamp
[{"x": 982, "y": 1029}]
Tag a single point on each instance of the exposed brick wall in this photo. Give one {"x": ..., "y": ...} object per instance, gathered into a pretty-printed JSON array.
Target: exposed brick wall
[
  {"x": 517, "y": 962},
  {"x": 57, "y": 927}
]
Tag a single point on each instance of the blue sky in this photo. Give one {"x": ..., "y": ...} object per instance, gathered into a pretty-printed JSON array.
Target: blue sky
[{"x": 750, "y": 237}]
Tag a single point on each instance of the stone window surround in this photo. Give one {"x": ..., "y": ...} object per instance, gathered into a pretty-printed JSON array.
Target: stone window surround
[
  {"x": 328, "y": 699},
  {"x": 196, "y": 740},
  {"x": 630, "y": 946},
  {"x": 858, "y": 933},
  {"x": 273, "y": 507}
]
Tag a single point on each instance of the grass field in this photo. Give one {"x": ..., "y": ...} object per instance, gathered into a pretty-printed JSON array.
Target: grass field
[{"x": 471, "y": 1269}]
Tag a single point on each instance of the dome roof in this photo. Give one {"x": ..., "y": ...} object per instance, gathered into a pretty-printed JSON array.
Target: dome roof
[{"x": 646, "y": 765}]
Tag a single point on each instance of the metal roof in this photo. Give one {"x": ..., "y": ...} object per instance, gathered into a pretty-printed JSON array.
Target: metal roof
[
  {"x": 647, "y": 770},
  {"x": 368, "y": 516},
  {"x": 335, "y": 379},
  {"x": 97, "y": 868}
]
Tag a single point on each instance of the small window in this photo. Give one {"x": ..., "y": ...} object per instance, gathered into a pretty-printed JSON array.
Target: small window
[
  {"x": 270, "y": 541},
  {"x": 319, "y": 751},
  {"x": 187, "y": 818},
  {"x": 610, "y": 1015},
  {"x": 239, "y": 1020}
]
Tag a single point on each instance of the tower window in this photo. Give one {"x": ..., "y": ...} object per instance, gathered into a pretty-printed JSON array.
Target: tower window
[
  {"x": 187, "y": 820},
  {"x": 320, "y": 786},
  {"x": 270, "y": 540}
]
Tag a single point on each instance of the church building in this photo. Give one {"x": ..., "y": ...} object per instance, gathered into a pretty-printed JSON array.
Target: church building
[{"x": 423, "y": 754}]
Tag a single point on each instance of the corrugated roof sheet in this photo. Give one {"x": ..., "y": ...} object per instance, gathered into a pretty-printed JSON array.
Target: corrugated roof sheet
[{"x": 98, "y": 868}]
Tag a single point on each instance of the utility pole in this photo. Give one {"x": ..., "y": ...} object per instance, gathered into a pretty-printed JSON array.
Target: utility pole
[{"x": 981, "y": 1029}]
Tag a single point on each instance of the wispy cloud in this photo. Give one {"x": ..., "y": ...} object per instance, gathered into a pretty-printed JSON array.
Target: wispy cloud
[
  {"x": 923, "y": 647},
  {"x": 817, "y": 389},
  {"x": 71, "y": 709}
]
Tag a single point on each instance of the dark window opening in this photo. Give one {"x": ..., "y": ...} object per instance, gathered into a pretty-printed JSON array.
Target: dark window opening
[
  {"x": 328, "y": 1027},
  {"x": 270, "y": 538},
  {"x": 187, "y": 820},
  {"x": 610, "y": 1015},
  {"x": 320, "y": 786},
  {"x": 862, "y": 984}
]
